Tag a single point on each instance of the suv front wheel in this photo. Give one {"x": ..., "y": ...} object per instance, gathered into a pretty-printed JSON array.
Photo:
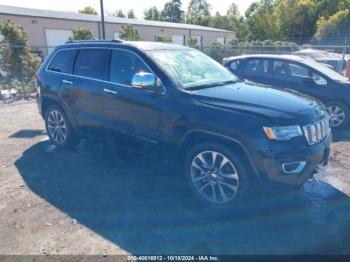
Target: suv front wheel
[
  {"x": 58, "y": 127},
  {"x": 216, "y": 175},
  {"x": 339, "y": 114}
]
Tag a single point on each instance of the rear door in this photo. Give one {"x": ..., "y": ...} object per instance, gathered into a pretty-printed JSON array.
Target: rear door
[
  {"x": 257, "y": 70},
  {"x": 84, "y": 88}
]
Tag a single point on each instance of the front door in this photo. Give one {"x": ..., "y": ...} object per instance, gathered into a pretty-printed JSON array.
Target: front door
[
  {"x": 300, "y": 78},
  {"x": 131, "y": 114}
]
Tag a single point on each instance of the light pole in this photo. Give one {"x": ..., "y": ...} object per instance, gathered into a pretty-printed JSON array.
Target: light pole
[{"x": 102, "y": 20}]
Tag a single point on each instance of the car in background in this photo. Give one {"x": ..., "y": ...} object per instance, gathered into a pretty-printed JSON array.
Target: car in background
[
  {"x": 334, "y": 60},
  {"x": 300, "y": 74}
]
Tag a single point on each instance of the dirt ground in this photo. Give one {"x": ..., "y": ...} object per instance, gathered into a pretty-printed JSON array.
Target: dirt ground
[{"x": 96, "y": 199}]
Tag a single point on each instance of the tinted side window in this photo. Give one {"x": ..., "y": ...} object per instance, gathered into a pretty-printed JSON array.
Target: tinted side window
[
  {"x": 291, "y": 72},
  {"x": 257, "y": 67},
  {"x": 299, "y": 71},
  {"x": 91, "y": 63},
  {"x": 282, "y": 71},
  {"x": 124, "y": 65},
  {"x": 235, "y": 65},
  {"x": 319, "y": 80},
  {"x": 63, "y": 61}
]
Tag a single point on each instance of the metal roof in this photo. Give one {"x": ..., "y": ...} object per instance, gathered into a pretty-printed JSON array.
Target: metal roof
[{"x": 21, "y": 11}]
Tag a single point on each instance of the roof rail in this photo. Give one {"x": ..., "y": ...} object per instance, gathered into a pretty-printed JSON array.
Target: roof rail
[{"x": 93, "y": 41}]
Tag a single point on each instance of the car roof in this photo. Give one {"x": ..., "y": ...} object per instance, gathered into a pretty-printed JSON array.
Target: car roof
[
  {"x": 268, "y": 56},
  {"x": 142, "y": 45},
  {"x": 309, "y": 51}
]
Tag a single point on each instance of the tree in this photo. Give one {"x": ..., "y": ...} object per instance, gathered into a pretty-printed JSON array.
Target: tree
[
  {"x": 129, "y": 33},
  {"x": 295, "y": 20},
  {"x": 216, "y": 51},
  {"x": 335, "y": 29},
  {"x": 88, "y": 10},
  {"x": 164, "y": 38},
  {"x": 192, "y": 41},
  {"x": 261, "y": 21},
  {"x": 198, "y": 12},
  {"x": 15, "y": 57},
  {"x": 131, "y": 14},
  {"x": 221, "y": 21},
  {"x": 152, "y": 14},
  {"x": 118, "y": 13},
  {"x": 172, "y": 11},
  {"x": 81, "y": 33},
  {"x": 233, "y": 10},
  {"x": 327, "y": 8}
]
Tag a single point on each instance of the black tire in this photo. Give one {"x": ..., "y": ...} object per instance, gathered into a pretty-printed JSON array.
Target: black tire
[
  {"x": 346, "y": 111},
  {"x": 235, "y": 159},
  {"x": 70, "y": 138}
]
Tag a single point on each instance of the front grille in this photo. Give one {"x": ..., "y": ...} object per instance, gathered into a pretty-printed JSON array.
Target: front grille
[{"x": 316, "y": 132}]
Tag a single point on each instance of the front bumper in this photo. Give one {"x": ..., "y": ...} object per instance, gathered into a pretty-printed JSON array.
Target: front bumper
[{"x": 270, "y": 166}]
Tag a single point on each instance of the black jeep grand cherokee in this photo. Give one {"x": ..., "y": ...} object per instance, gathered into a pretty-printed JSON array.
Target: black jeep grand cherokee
[{"x": 183, "y": 107}]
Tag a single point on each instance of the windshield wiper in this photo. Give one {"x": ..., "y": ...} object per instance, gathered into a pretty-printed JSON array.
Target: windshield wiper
[
  {"x": 201, "y": 86},
  {"x": 228, "y": 82},
  {"x": 211, "y": 85}
]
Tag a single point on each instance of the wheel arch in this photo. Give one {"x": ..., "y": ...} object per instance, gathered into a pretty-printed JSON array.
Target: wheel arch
[
  {"x": 200, "y": 136},
  {"x": 50, "y": 100}
]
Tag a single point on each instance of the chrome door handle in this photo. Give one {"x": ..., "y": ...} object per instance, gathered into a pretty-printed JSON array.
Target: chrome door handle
[
  {"x": 109, "y": 91},
  {"x": 64, "y": 81}
]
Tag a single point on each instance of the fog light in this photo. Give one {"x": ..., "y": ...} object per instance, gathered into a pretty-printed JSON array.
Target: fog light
[{"x": 293, "y": 168}]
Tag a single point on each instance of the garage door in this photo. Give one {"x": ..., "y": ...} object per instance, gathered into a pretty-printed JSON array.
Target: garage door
[
  {"x": 56, "y": 37},
  {"x": 178, "y": 39}
]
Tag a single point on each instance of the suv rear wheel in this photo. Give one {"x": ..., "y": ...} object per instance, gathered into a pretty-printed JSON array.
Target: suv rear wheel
[
  {"x": 216, "y": 175},
  {"x": 58, "y": 127}
]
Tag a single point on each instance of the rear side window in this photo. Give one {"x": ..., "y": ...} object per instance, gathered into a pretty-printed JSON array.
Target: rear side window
[
  {"x": 91, "y": 63},
  {"x": 63, "y": 61},
  {"x": 234, "y": 65},
  {"x": 257, "y": 67}
]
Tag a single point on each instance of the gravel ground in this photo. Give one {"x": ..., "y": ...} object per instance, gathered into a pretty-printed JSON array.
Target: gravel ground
[{"x": 96, "y": 199}]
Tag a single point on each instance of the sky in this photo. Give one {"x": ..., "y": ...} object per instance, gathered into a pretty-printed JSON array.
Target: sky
[{"x": 110, "y": 5}]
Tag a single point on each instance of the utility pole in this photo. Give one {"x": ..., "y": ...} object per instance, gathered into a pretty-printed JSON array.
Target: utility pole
[
  {"x": 302, "y": 27},
  {"x": 102, "y": 20}
]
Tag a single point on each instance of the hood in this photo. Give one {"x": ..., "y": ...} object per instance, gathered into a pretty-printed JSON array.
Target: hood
[{"x": 280, "y": 107}]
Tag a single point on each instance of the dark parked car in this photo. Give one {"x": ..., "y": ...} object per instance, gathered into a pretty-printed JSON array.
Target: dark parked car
[
  {"x": 181, "y": 106},
  {"x": 300, "y": 74}
]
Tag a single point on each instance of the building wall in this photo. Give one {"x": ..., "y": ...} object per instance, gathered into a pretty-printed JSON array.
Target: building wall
[{"x": 35, "y": 28}]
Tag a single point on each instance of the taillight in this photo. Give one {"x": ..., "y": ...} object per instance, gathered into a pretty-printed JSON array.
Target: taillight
[{"x": 36, "y": 81}]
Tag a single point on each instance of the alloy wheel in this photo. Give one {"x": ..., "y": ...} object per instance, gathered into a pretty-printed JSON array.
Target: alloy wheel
[
  {"x": 337, "y": 115},
  {"x": 57, "y": 127},
  {"x": 214, "y": 177}
]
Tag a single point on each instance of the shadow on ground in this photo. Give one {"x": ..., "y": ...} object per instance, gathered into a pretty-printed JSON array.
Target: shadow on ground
[
  {"x": 27, "y": 133},
  {"x": 143, "y": 207},
  {"x": 342, "y": 135}
]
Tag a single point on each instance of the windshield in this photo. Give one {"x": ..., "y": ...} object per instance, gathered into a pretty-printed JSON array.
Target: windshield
[
  {"x": 326, "y": 71},
  {"x": 191, "y": 68}
]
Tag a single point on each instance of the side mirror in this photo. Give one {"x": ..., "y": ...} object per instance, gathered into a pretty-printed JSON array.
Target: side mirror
[{"x": 144, "y": 80}]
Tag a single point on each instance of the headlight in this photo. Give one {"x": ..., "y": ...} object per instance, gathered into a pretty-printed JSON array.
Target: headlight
[{"x": 283, "y": 133}]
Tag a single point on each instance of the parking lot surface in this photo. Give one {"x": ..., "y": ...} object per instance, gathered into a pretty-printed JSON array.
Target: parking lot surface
[{"x": 97, "y": 199}]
